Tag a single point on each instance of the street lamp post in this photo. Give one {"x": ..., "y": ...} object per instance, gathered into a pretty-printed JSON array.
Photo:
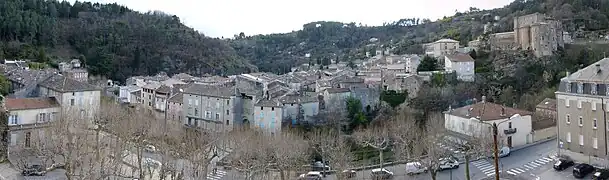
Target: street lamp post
[{"x": 495, "y": 143}]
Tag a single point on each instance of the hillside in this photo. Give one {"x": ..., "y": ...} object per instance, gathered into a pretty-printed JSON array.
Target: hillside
[
  {"x": 346, "y": 41},
  {"x": 113, "y": 40}
]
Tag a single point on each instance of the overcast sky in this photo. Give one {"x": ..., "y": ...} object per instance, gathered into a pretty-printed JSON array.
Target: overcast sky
[{"x": 218, "y": 18}]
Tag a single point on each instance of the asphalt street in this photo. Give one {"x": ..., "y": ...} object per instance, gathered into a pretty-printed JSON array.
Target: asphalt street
[{"x": 522, "y": 162}]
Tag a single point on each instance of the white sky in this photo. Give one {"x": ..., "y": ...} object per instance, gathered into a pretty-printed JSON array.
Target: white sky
[{"x": 218, "y": 18}]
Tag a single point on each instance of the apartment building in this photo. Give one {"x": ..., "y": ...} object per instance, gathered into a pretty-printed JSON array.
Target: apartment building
[
  {"x": 441, "y": 47},
  {"x": 74, "y": 96},
  {"x": 210, "y": 107},
  {"x": 582, "y": 100},
  {"x": 268, "y": 115},
  {"x": 462, "y": 64}
]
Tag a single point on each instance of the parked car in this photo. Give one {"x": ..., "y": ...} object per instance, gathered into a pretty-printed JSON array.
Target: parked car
[
  {"x": 504, "y": 152},
  {"x": 413, "y": 168},
  {"x": 150, "y": 148},
  {"x": 448, "y": 163},
  {"x": 320, "y": 167},
  {"x": 563, "y": 163},
  {"x": 312, "y": 175},
  {"x": 349, "y": 173},
  {"x": 581, "y": 170},
  {"x": 152, "y": 163},
  {"x": 34, "y": 170},
  {"x": 601, "y": 174},
  {"x": 381, "y": 174}
]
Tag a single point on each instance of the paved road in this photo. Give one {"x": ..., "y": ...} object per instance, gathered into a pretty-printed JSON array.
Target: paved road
[{"x": 522, "y": 162}]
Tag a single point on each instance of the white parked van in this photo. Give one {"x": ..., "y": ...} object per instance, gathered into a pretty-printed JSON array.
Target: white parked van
[
  {"x": 413, "y": 168},
  {"x": 504, "y": 151}
]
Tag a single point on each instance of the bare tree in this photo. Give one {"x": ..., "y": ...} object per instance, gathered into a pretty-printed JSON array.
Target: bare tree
[
  {"x": 431, "y": 135},
  {"x": 252, "y": 155},
  {"x": 335, "y": 148},
  {"x": 475, "y": 147},
  {"x": 289, "y": 152},
  {"x": 377, "y": 137},
  {"x": 405, "y": 133}
]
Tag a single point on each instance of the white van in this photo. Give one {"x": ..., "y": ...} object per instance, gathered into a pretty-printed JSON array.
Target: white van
[
  {"x": 505, "y": 151},
  {"x": 413, "y": 168}
]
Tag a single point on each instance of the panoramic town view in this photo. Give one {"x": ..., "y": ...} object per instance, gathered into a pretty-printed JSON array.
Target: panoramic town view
[{"x": 515, "y": 90}]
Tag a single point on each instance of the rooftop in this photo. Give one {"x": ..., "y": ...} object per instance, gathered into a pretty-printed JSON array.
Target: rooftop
[
  {"x": 460, "y": 57},
  {"x": 596, "y": 72},
  {"x": 487, "y": 111},
  {"x": 64, "y": 84},
  {"x": 209, "y": 90},
  {"x": 13, "y": 104}
]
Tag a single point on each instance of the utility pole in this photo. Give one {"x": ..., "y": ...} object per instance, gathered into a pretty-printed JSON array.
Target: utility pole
[{"x": 496, "y": 151}]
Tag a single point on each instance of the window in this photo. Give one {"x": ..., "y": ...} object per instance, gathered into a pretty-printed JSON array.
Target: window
[
  {"x": 579, "y": 104},
  {"x": 41, "y": 117},
  {"x": 207, "y": 115},
  {"x": 568, "y": 87},
  {"x": 568, "y": 118},
  {"x": 13, "y": 139},
  {"x": 567, "y": 102},
  {"x": 227, "y": 102},
  {"x": 13, "y": 119},
  {"x": 73, "y": 93},
  {"x": 594, "y": 123},
  {"x": 189, "y": 101},
  {"x": 71, "y": 102},
  {"x": 568, "y": 137},
  {"x": 28, "y": 136},
  {"x": 510, "y": 125},
  {"x": 595, "y": 143},
  {"x": 261, "y": 115},
  {"x": 581, "y": 140},
  {"x": 227, "y": 122},
  {"x": 593, "y": 104},
  {"x": 261, "y": 108},
  {"x": 272, "y": 108},
  {"x": 196, "y": 102},
  {"x": 580, "y": 88},
  {"x": 581, "y": 121},
  {"x": 227, "y": 112},
  {"x": 196, "y": 112},
  {"x": 217, "y": 116},
  {"x": 149, "y": 97},
  {"x": 217, "y": 104},
  {"x": 593, "y": 89}
]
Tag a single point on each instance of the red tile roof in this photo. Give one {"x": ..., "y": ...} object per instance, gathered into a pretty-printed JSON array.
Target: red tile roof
[
  {"x": 31, "y": 103},
  {"x": 487, "y": 111}
]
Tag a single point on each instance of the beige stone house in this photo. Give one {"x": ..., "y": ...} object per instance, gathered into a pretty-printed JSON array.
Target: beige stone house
[{"x": 27, "y": 119}]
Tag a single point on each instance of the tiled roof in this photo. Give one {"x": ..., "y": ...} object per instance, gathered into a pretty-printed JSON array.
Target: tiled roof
[
  {"x": 547, "y": 103},
  {"x": 289, "y": 99},
  {"x": 30, "y": 103},
  {"x": 460, "y": 57},
  {"x": 337, "y": 90},
  {"x": 268, "y": 103},
  {"x": 177, "y": 98},
  {"x": 209, "y": 90},
  {"x": 25, "y": 77},
  {"x": 486, "y": 111},
  {"x": 65, "y": 84},
  {"x": 163, "y": 89}
]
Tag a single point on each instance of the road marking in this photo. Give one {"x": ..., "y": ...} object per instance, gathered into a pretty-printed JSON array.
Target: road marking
[
  {"x": 548, "y": 159},
  {"x": 528, "y": 167},
  {"x": 534, "y": 163},
  {"x": 521, "y": 170},
  {"x": 217, "y": 176},
  {"x": 541, "y": 161}
]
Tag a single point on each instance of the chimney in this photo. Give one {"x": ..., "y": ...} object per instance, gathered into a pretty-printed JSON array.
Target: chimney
[
  {"x": 450, "y": 108},
  {"x": 567, "y": 74},
  {"x": 483, "y": 99},
  {"x": 469, "y": 112},
  {"x": 502, "y": 111},
  {"x": 598, "y": 68}
]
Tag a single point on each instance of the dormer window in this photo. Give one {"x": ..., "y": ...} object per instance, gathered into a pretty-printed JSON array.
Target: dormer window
[
  {"x": 580, "y": 88},
  {"x": 593, "y": 90},
  {"x": 568, "y": 87}
]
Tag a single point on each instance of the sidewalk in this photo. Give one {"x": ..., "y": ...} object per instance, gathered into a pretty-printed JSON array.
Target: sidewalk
[{"x": 7, "y": 172}]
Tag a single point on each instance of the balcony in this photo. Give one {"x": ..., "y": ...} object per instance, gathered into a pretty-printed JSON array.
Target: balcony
[{"x": 509, "y": 131}]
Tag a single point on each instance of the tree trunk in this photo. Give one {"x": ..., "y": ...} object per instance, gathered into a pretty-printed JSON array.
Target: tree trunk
[
  {"x": 282, "y": 174},
  {"x": 467, "y": 177},
  {"x": 381, "y": 158},
  {"x": 433, "y": 174}
]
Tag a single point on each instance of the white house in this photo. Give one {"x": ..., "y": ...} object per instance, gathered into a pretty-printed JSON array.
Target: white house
[
  {"x": 412, "y": 63},
  {"x": 126, "y": 93},
  {"x": 462, "y": 65},
  {"x": 513, "y": 125}
]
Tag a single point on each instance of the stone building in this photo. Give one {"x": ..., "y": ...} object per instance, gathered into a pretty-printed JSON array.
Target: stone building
[
  {"x": 535, "y": 32},
  {"x": 539, "y": 33}
]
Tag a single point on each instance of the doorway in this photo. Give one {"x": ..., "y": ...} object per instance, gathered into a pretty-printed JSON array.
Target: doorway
[{"x": 509, "y": 141}]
